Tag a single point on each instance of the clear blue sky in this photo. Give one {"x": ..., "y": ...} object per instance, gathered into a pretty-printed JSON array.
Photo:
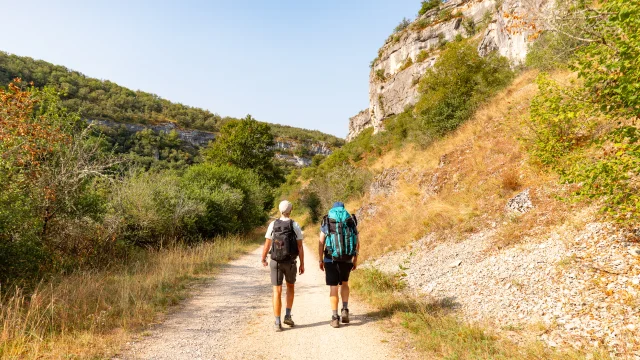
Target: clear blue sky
[{"x": 296, "y": 62}]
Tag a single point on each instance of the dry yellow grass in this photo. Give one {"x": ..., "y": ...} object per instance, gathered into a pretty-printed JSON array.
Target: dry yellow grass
[
  {"x": 461, "y": 183},
  {"x": 92, "y": 314}
]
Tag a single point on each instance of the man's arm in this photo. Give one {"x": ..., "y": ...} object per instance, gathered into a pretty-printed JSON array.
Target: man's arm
[
  {"x": 321, "y": 250},
  {"x": 265, "y": 251},
  {"x": 301, "y": 254}
]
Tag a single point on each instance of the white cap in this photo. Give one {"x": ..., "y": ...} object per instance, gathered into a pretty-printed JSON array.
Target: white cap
[{"x": 285, "y": 207}]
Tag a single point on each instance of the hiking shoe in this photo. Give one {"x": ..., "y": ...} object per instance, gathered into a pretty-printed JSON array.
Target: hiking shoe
[
  {"x": 335, "y": 321},
  {"x": 345, "y": 316},
  {"x": 288, "y": 320},
  {"x": 277, "y": 327}
]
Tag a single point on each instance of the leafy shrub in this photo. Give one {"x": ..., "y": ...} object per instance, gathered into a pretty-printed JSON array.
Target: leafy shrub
[
  {"x": 402, "y": 26},
  {"x": 560, "y": 121},
  {"x": 234, "y": 198},
  {"x": 313, "y": 203},
  {"x": 612, "y": 174},
  {"x": 421, "y": 24},
  {"x": 469, "y": 26},
  {"x": 153, "y": 208},
  {"x": 587, "y": 133},
  {"x": 407, "y": 64},
  {"x": 442, "y": 41},
  {"x": 445, "y": 15},
  {"x": 422, "y": 56},
  {"x": 381, "y": 75},
  {"x": 450, "y": 92},
  {"x": 428, "y": 5},
  {"x": 610, "y": 66}
]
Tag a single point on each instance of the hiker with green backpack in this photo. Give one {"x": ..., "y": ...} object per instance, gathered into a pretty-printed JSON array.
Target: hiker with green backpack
[
  {"x": 338, "y": 253},
  {"x": 283, "y": 241}
]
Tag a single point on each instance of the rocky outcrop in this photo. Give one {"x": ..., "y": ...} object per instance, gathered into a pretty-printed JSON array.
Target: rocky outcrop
[
  {"x": 507, "y": 33},
  {"x": 358, "y": 123},
  {"x": 288, "y": 151},
  {"x": 521, "y": 203},
  {"x": 195, "y": 138},
  {"x": 407, "y": 55},
  {"x": 295, "y": 160},
  {"x": 285, "y": 148}
]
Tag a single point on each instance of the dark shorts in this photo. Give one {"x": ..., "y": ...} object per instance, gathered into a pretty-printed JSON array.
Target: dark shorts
[
  {"x": 279, "y": 271},
  {"x": 337, "y": 272}
]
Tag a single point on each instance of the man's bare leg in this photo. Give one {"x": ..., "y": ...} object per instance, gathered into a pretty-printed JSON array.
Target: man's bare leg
[
  {"x": 290, "y": 294},
  {"x": 277, "y": 301},
  {"x": 334, "y": 299},
  {"x": 344, "y": 294},
  {"x": 344, "y": 291},
  {"x": 335, "y": 319}
]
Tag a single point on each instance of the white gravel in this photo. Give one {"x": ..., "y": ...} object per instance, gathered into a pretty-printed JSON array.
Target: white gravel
[
  {"x": 231, "y": 318},
  {"x": 584, "y": 286}
]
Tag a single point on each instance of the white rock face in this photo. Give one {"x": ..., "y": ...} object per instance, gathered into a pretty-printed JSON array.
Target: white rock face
[
  {"x": 393, "y": 86},
  {"x": 513, "y": 44},
  {"x": 358, "y": 123}
]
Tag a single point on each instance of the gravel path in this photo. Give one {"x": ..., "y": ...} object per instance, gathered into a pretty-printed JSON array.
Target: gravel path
[{"x": 231, "y": 318}]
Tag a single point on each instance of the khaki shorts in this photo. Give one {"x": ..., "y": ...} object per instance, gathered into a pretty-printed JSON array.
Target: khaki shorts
[{"x": 286, "y": 270}]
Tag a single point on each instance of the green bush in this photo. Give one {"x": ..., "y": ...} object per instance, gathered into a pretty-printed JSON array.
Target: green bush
[
  {"x": 574, "y": 137},
  {"x": 407, "y": 64},
  {"x": 421, "y": 24},
  {"x": 587, "y": 132},
  {"x": 234, "y": 198},
  {"x": 422, "y": 56},
  {"x": 458, "y": 83},
  {"x": 445, "y": 15},
  {"x": 469, "y": 26},
  {"x": 610, "y": 66},
  {"x": 381, "y": 75},
  {"x": 612, "y": 174},
  {"x": 312, "y": 202},
  {"x": 428, "y": 5},
  {"x": 560, "y": 121},
  {"x": 153, "y": 208},
  {"x": 402, "y": 26}
]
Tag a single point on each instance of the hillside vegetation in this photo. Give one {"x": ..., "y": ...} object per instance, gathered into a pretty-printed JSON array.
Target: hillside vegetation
[
  {"x": 94, "y": 241},
  {"x": 565, "y": 129},
  {"x": 102, "y": 99}
]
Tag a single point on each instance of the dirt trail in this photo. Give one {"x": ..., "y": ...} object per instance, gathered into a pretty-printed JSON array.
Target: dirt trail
[{"x": 231, "y": 318}]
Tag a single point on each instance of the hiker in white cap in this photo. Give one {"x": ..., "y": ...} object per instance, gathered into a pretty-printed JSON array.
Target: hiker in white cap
[{"x": 284, "y": 243}]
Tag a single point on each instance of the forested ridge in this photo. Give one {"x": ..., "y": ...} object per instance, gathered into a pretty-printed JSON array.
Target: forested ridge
[{"x": 103, "y": 99}]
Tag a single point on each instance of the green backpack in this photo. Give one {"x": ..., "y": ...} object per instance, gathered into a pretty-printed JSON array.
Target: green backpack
[{"x": 342, "y": 238}]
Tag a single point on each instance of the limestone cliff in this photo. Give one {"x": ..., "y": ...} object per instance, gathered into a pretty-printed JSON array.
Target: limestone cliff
[{"x": 406, "y": 55}]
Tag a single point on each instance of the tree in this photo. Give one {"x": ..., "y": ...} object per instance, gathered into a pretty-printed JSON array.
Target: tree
[
  {"x": 246, "y": 144},
  {"x": 428, "y": 5}
]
